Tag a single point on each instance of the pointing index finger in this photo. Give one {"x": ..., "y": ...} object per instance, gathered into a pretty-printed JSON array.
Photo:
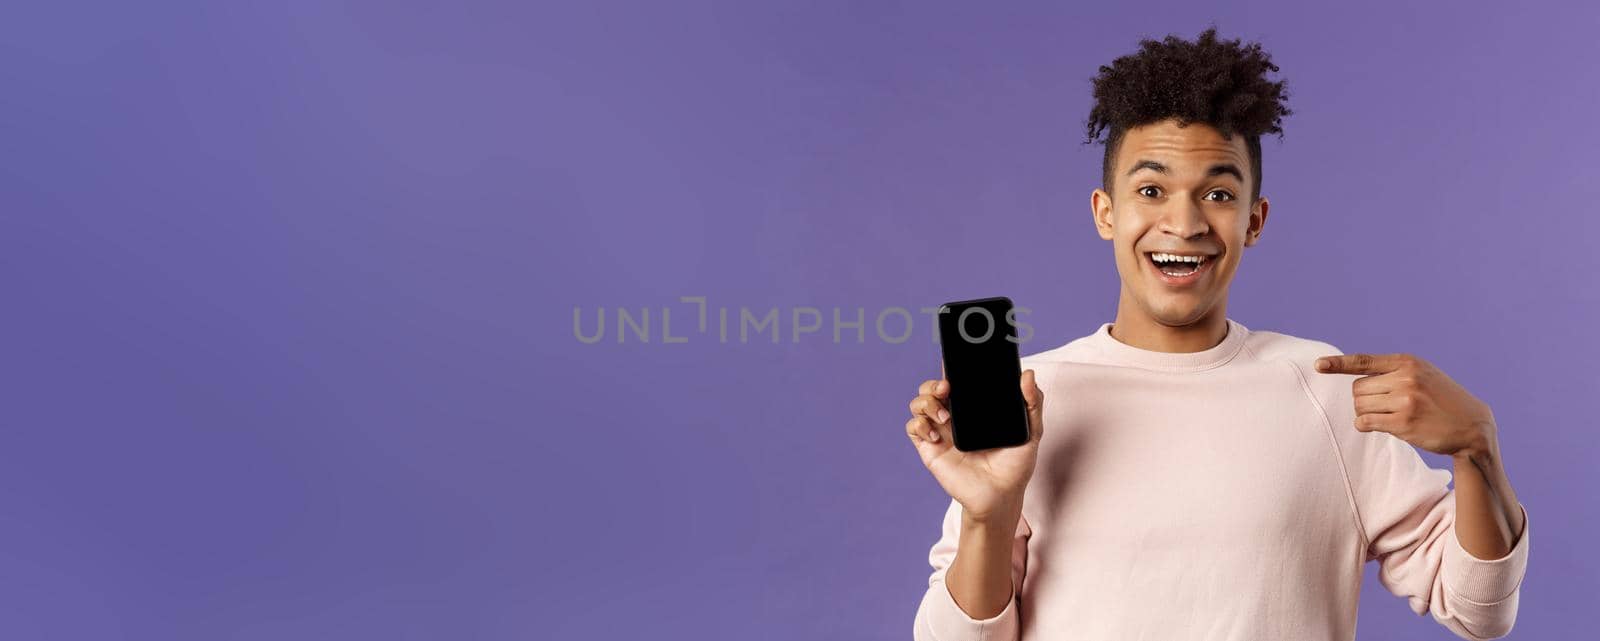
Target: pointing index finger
[{"x": 1359, "y": 364}]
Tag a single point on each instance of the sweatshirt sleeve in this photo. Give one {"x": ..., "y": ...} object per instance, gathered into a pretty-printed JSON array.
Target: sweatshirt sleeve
[
  {"x": 1406, "y": 512},
  {"x": 939, "y": 618}
]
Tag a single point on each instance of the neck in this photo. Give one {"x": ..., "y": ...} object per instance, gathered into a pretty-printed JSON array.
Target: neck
[{"x": 1134, "y": 327}]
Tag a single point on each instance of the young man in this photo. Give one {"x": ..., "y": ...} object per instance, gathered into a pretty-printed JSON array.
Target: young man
[{"x": 1195, "y": 479}]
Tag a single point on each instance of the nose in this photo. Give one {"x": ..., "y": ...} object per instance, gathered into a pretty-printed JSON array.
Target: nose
[{"x": 1185, "y": 220}]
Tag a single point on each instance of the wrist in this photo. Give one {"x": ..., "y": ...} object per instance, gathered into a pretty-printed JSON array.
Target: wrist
[
  {"x": 1003, "y": 520},
  {"x": 1483, "y": 449}
]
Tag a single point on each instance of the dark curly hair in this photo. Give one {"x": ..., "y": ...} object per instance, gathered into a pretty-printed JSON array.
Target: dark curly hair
[{"x": 1217, "y": 82}]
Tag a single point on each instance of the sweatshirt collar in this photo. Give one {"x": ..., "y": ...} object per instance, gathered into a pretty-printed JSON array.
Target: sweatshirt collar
[{"x": 1120, "y": 353}]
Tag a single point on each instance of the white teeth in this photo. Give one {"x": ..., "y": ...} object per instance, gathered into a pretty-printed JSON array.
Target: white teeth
[{"x": 1174, "y": 258}]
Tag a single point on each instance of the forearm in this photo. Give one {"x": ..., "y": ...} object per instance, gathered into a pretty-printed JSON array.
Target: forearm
[
  {"x": 979, "y": 579},
  {"x": 1488, "y": 516}
]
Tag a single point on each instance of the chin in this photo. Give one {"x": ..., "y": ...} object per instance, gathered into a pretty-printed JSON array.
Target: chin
[{"x": 1177, "y": 313}]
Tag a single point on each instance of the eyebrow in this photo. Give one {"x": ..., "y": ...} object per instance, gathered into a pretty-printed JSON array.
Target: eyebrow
[{"x": 1215, "y": 170}]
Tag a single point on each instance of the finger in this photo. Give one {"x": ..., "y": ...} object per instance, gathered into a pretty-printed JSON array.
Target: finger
[
  {"x": 930, "y": 443},
  {"x": 930, "y": 408},
  {"x": 1373, "y": 384},
  {"x": 1035, "y": 400},
  {"x": 918, "y": 428},
  {"x": 1359, "y": 363},
  {"x": 1378, "y": 404},
  {"x": 1377, "y": 423},
  {"x": 937, "y": 388}
]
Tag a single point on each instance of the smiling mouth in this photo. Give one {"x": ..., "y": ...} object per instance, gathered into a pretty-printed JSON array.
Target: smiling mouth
[{"x": 1179, "y": 266}]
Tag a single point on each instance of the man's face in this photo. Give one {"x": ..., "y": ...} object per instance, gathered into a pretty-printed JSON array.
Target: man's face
[{"x": 1179, "y": 219}]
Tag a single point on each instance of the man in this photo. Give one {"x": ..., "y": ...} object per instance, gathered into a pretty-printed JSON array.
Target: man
[{"x": 1195, "y": 479}]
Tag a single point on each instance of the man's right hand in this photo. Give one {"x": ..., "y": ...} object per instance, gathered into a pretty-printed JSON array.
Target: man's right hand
[{"x": 989, "y": 484}]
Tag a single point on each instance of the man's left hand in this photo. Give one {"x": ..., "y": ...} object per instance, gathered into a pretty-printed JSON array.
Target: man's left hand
[{"x": 1410, "y": 398}]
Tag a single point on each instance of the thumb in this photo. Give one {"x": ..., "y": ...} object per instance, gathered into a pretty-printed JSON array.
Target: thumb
[{"x": 1035, "y": 400}]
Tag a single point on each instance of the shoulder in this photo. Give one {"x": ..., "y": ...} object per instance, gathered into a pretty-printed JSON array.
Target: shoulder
[
  {"x": 1330, "y": 392},
  {"x": 1078, "y": 350},
  {"x": 1049, "y": 364},
  {"x": 1278, "y": 346}
]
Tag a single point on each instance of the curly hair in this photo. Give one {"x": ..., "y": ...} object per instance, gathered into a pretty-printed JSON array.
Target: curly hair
[{"x": 1221, "y": 83}]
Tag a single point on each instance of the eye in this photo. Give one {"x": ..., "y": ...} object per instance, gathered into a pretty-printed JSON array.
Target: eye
[
  {"x": 1144, "y": 191},
  {"x": 1225, "y": 196}
]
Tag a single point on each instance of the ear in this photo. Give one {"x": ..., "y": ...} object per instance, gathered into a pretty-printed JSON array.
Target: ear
[
  {"x": 1100, "y": 206},
  {"x": 1258, "y": 221}
]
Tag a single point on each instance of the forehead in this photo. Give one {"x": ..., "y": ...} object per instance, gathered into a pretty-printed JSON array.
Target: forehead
[{"x": 1184, "y": 149}]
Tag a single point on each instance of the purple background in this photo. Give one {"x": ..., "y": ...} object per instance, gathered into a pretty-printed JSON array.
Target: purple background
[{"x": 289, "y": 290}]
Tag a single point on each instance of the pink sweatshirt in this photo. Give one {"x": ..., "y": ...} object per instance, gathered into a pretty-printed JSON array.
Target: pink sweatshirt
[{"x": 1223, "y": 494}]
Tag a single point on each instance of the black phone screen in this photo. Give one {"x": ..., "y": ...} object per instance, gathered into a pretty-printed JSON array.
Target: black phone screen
[{"x": 977, "y": 339}]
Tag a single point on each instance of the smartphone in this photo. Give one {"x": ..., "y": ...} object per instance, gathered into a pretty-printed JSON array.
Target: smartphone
[{"x": 978, "y": 342}]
